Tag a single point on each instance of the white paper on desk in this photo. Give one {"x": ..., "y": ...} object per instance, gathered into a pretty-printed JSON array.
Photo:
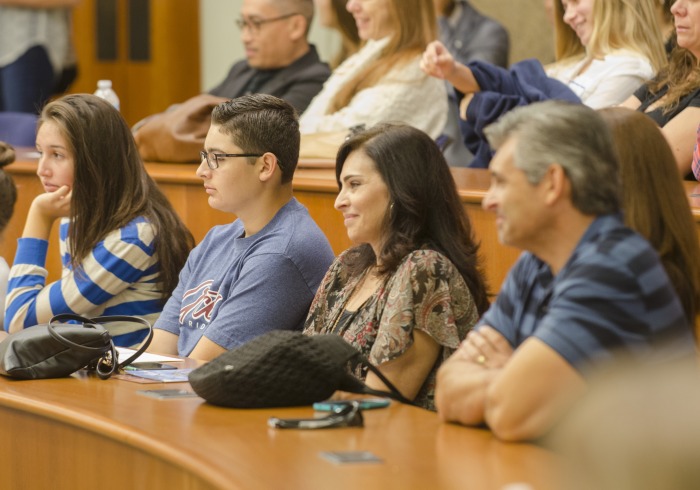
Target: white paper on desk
[{"x": 125, "y": 353}]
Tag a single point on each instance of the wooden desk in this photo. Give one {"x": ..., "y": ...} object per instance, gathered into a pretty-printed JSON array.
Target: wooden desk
[
  {"x": 82, "y": 432},
  {"x": 315, "y": 188}
]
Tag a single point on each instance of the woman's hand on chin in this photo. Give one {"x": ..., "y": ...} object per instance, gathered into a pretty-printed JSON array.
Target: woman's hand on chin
[
  {"x": 54, "y": 204},
  {"x": 45, "y": 209}
]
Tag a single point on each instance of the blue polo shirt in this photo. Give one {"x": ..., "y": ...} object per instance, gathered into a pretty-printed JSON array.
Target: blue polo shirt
[{"x": 612, "y": 297}]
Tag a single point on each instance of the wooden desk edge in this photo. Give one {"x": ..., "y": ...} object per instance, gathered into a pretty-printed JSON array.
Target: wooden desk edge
[
  {"x": 472, "y": 184},
  {"x": 115, "y": 431}
]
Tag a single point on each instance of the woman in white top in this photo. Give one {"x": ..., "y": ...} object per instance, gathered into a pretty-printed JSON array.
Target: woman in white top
[
  {"x": 604, "y": 49},
  {"x": 8, "y": 197},
  {"x": 383, "y": 80}
]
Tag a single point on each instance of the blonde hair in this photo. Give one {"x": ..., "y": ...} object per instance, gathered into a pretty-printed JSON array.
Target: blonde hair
[
  {"x": 346, "y": 27},
  {"x": 567, "y": 45},
  {"x": 413, "y": 26},
  {"x": 617, "y": 24}
]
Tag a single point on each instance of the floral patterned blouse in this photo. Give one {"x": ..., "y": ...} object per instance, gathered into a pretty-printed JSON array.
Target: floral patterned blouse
[{"x": 426, "y": 292}]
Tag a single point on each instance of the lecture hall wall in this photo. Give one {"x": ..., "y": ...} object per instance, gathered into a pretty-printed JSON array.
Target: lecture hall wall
[
  {"x": 160, "y": 52},
  {"x": 531, "y": 34}
]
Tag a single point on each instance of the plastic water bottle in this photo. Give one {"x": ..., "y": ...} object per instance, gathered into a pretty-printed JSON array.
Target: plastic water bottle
[{"x": 105, "y": 91}]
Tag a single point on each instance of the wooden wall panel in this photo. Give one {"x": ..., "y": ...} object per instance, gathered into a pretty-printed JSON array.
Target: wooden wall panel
[{"x": 171, "y": 75}]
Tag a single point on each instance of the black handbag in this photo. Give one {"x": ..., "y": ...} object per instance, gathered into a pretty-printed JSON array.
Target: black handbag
[
  {"x": 57, "y": 349},
  {"x": 285, "y": 369}
]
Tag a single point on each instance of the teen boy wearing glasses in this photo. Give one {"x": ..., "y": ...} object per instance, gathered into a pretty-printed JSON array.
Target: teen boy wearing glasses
[{"x": 260, "y": 272}]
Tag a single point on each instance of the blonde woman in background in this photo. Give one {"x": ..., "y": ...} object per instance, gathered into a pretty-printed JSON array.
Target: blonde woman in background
[
  {"x": 606, "y": 48},
  {"x": 383, "y": 80}
]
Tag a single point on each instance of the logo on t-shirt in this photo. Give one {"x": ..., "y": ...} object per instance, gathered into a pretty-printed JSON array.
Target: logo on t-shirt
[{"x": 200, "y": 302}]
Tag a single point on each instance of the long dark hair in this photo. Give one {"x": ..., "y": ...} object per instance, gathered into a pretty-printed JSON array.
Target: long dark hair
[
  {"x": 426, "y": 209},
  {"x": 654, "y": 200},
  {"x": 111, "y": 186}
]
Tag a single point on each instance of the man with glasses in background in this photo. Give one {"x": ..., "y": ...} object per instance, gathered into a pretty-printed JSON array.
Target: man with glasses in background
[
  {"x": 279, "y": 59},
  {"x": 260, "y": 272}
]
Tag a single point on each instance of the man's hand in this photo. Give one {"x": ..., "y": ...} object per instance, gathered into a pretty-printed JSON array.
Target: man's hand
[
  {"x": 464, "y": 379},
  {"x": 486, "y": 347}
]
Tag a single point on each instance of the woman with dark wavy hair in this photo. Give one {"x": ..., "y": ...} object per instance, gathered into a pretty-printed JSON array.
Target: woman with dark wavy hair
[
  {"x": 672, "y": 99},
  {"x": 411, "y": 289},
  {"x": 122, "y": 244}
]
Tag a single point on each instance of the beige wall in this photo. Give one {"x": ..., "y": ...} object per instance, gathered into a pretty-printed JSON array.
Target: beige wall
[{"x": 531, "y": 34}]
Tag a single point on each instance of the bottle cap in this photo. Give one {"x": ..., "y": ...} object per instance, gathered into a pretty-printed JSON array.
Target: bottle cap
[{"x": 104, "y": 84}]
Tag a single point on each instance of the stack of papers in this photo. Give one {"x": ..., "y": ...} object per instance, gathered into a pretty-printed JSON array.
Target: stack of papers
[
  {"x": 163, "y": 375},
  {"x": 125, "y": 353},
  {"x": 152, "y": 376}
]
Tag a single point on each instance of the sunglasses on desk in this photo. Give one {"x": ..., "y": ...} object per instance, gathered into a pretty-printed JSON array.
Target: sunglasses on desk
[{"x": 344, "y": 415}]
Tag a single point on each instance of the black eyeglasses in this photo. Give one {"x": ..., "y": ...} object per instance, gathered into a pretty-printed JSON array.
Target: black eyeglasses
[
  {"x": 213, "y": 158},
  {"x": 344, "y": 415},
  {"x": 254, "y": 24}
]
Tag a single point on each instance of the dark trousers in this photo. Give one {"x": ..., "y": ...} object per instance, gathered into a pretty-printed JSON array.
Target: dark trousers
[{"x": 27, "y": 83}]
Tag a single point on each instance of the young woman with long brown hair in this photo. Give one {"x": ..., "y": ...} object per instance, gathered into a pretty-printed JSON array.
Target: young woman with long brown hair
[
  {"x": 654, "y": 201},
  {"x": 122, "y": 244}
]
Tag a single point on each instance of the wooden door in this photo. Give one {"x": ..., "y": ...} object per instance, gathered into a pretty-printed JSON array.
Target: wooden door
[{"x": 148, "y": 48}]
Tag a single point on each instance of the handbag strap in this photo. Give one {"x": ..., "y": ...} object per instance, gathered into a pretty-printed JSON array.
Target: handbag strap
[
  {"x": 134, "y": 319},
  {"x": 105, "y": 365},
  {"x": 393, "y": 392},
  {"x": 87, "y": 323},
  {"x": 90, "y": 323},
  {"x": 355, "y": 385}
]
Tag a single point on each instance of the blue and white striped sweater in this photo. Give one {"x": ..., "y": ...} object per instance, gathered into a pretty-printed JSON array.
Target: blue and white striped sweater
[{"x": 119, "y": 277}]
